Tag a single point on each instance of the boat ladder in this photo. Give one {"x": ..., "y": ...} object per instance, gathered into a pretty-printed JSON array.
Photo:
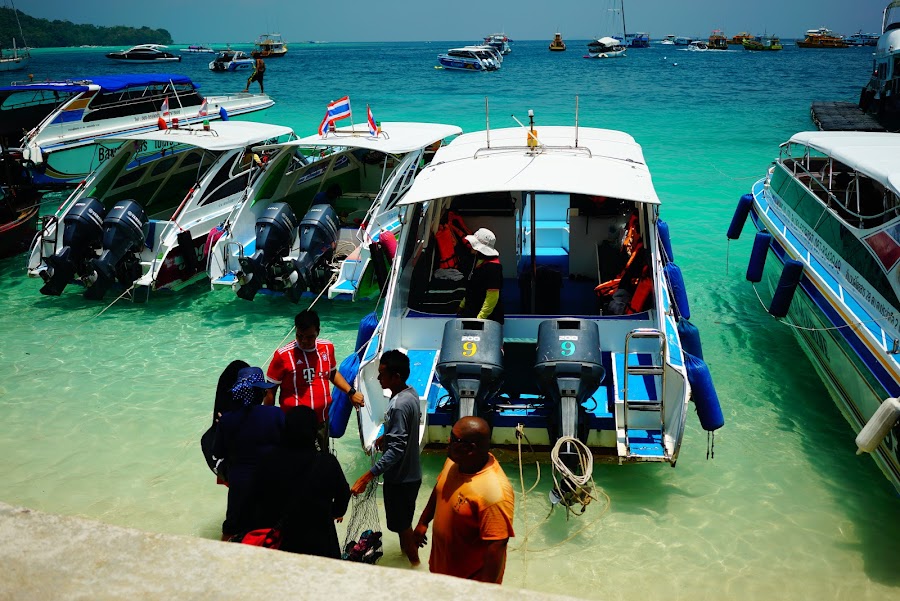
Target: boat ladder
[
  {"x": 48, "y": 241},
  {"x": 644, "y": 443}
]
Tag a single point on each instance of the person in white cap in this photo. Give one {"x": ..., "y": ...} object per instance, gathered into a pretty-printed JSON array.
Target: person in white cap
[{"x": 482, "y": 298}]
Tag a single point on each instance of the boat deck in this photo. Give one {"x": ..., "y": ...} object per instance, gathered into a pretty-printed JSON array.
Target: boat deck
[{"x": 843, "y": 116}]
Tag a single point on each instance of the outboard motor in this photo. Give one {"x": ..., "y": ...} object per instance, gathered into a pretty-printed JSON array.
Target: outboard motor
[
  {"x": 124, "y": 232},
  {"x": 471, "y": 365},
  {"x": 275, "y": 230},
  {"x": 318, "y": 239},
  {"x": 569, "y": 370},
  {"x": 83, "y": 228}
]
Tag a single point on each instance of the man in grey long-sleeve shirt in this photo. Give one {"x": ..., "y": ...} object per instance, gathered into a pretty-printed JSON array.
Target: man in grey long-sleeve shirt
[{"x": 400, "y": 462}]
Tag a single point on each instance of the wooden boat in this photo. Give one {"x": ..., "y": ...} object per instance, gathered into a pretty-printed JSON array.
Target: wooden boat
[
  {"x": 269, "y": 45},
  {"x": 738, "y": 40},
  {"x": 763, "y": 43},
  {"x": 822, "y": 38},
  {"x": 717, "y": 40}
]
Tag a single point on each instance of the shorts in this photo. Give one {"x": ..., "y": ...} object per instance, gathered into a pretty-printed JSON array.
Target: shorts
[{"x": 400, "y": 504}]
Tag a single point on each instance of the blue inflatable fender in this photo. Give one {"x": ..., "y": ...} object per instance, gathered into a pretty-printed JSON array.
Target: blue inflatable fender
[
  {"x": 676, "y": 284},
  {"x": 341, "y": 407},
  {"x": 740, "y": 217},
  {"x": 689, "y": 336},
  {"x": 758, "y": 256},
  {"x": 663, "y": 228},
  {"x": 703, "y": 393},
  {"x": 367, "y": 327},
  {"x": 787, "y": 285}
]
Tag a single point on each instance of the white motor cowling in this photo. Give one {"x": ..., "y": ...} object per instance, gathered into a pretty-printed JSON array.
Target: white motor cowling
[{"x": 879, "y": 426}]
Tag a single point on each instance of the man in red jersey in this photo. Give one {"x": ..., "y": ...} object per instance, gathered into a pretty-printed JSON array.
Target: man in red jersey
[{"x": 303, "y": 371}]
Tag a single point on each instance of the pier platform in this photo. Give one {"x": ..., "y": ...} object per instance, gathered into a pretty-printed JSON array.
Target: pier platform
[{"x": 842, "y": 116}]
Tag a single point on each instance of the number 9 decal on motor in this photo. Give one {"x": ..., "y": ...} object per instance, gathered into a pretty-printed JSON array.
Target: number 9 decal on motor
[
  {"x": 568, "y": 348},
  {"x": 469, "y": 349}
]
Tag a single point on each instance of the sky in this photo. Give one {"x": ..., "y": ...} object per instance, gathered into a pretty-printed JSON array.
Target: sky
[{"x": 233, "y": 21}]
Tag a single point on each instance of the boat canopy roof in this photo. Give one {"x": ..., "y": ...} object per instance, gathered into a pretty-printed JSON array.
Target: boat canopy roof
[
  {"x": 398, "y": 137},
  {"x": 107, "y": 83},
  {"x": 605, "y": 163},
  {"x": 874, "y": 154},
  {"x": 222, "y": 135},
  {"x": 606, "y": 41}
]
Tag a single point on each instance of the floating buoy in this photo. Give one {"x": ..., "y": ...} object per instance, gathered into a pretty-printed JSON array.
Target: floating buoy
[
  {"x": 787, "y": 285},
  {"x": 663, "y": 228},
  {"x": 740, "y": 217},
  {"x": 676, "y": 284},
  {"x": 758, "y": 256},
  {"x": 878, "y": 426},
  {"x": 689, "y": 336},
  {"x": 367, "y": 327},
  {"x": 703, "y": 393}
]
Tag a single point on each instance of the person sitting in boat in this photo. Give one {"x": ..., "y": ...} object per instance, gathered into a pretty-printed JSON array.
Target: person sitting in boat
[{"x": 482, "y": 298}]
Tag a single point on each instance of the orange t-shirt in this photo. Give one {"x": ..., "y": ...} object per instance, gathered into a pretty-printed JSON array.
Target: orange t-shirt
[{"x": 471, "y": 511}]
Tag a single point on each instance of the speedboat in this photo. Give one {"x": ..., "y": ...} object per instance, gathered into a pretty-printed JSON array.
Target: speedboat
[
  {"x": 669, "y": 40},
  {"x": 197, "y": 49},
  {"x": 144, "y": 53},
  {"x": 469, "y": 58},
  {"x": 683, "y": 40},
  {"x": 66, "y": 121},
  {"x": 557, "y": 45},
  {"x": 827, "y": 251},
  {"x": 880, "y": 95},
  {"x": 567, "y": 368},
  {"x": 499, "y": 41},
  {"x": 319, "y": 217},
  {"x": 717, "y": 40},
  {"x": 269, "y": 45},
  {"x": 232, "y": 60},
  {"x": 822, "y": 38},
  {"x": 763, "y": 43},
  {"x": 698, "y": 46},
  {"x": 607, "y": 47},
  {"x": 147, "y": 216}
]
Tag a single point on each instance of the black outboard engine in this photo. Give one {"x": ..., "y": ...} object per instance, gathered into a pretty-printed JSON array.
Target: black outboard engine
[
  {"x": 275, "y": 230},
  {"x": 471, "y": 365},
  {"x": 124, "y": 232},
  {"x": 569, "y": 369},
  {"x": 83, "y": 228},
  {"x": 318, "y": 239}
]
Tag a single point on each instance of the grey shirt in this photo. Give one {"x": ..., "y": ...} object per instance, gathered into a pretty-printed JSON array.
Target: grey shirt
[{"x": 400, "y": 462}]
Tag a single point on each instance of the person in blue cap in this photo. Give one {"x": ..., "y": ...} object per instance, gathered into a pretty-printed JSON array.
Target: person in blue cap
[{"x": 245, "y": 434}]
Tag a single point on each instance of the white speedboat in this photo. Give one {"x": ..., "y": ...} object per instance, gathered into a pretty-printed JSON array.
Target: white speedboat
[
  {"x": 566, "y": 366},
  {"x": 66, "y": 121},
  {"x": 881, "y": 95},
  {"x": 607, "y": 47},
  {"x": 499, "y": 41},
  {"x": 322, "y": 199},
  {"x": 144, "y": 53},
  {"x": 698, "y": 46},
  {"x": 269, "y": 45},
  {"x": 232, "y": 60},
  {"x": 145, "y": 216},
  {"x": 826, "y": 215},
  {"x": 669, "y": 40},
  {"x": 470, "y": 58}
]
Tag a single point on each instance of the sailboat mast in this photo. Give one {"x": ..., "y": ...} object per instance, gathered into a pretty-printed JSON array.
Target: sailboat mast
[{"x": 624, "y": 35}]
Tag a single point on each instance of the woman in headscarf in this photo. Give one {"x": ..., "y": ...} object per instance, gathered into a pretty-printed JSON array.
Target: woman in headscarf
[
  {"x": 223, "y": 403},
  {"x": 244, "y": 436},
  {"x": 301, "y": 490}
]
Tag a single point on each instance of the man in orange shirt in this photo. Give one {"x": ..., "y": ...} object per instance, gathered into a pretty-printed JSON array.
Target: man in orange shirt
[{"x": 472, "y": 508}]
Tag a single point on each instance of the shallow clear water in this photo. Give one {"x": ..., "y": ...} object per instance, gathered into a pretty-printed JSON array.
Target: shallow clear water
[{"x": 102, "y": 414}]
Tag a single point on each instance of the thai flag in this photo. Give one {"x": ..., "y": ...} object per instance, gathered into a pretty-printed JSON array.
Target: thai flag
[
  {"x": 164, "y": 107},
  {"x": 373, "y": 129},
  {"x": 339, "y": 109},
  {"x": 204, "y": 109}
]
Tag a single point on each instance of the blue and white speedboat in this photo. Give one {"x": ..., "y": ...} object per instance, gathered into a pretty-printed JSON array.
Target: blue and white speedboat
[
  {"x": 571, "y": 208},
  {"x": 470, "y": 58},
  {"x": 828, "y": 215},
  {"x": 66, "y": 121},
  {"x": 232, "y": 60}
]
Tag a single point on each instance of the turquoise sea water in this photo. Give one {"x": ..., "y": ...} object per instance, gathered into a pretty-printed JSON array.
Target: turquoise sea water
[{"x": 101, "y": 413}]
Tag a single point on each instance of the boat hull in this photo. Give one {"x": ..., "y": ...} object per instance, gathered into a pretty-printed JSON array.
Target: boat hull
[
  {"x": 858, "y": 372},
  {"x": 16, "y": 235}
]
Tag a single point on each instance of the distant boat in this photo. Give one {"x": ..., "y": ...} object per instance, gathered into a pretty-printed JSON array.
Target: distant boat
[
  {"x": 269, "y": 45},
  {"x": 738, "y": 40},
  {"x": 609, "y": 47},
  {"x": 232, "y": 60},
  {"x": 499, "y": 41},
  {"x": 717, "y": 40},
  {"x": 763, "y": 43},
  {"x": 669, "y": 40},
  {"x": 822, "y": 38},
  {"x": 470, "y": 58},
  {"x": 19, "y": 58},
  {"x": 863, "y": 39},
  {"x": 557, "y": 45},
  {"x": 144, "y": 53},
  {"x": 698, "y": 46},
  {"x": 198, "y": 50}
]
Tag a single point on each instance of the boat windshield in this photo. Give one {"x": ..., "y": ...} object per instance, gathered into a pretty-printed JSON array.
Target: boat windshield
[{"x": 140, "y": 100}]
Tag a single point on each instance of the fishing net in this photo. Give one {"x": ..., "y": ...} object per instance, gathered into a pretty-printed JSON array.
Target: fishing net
[{"x": 363, "y": 540}]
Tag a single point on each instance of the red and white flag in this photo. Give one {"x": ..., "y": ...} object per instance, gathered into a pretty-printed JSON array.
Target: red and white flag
[
  {"x": 339, "y": 109},
  {"x": 164, "y": 107},
  {"x": 204, "y": 109},
  {"x": 373, "y": 127}
]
